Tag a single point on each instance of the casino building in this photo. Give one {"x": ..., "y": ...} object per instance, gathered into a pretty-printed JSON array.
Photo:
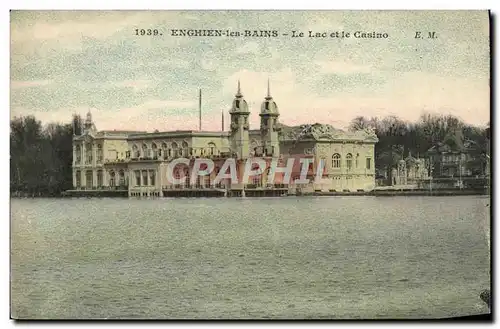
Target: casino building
[{"x": 134, "y": 163}]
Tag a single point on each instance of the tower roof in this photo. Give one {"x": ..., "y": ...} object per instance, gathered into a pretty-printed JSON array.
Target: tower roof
[
  {"x": 88, "y": 117},
  {"x": 239, "y": 103},
  {"x": 269, "y": 106}
]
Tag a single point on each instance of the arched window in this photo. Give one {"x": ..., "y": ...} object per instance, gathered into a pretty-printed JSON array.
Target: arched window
[
  {"x": 175, "y": 148},
  {"x": 336, "y": 160},
  {"x": 357, "y": 160},
  {"x": 112, "y": 178},
  {"x": 135, "y": 151},
  {"x": 155, "y": 150},
  {"x": 212, "y": 148},
  {"x": 185, "y": 148},
  {"x": 145, "y": 151},
  {"x": 164, "y": 148},
  {"x": 121, "y": 177},
  {"x": 348, "y": 161}
]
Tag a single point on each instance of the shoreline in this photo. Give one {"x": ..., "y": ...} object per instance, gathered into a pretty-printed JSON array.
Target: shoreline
[{"x": 249, "y": 194}]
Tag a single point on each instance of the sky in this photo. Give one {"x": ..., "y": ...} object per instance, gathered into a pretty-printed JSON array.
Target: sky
[{"x": 65, "y": 62}]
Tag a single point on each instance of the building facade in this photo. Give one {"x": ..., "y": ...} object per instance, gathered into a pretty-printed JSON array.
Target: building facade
[
  {"x": 137, "y": 162},
  {"x": 464, "y": 167}
]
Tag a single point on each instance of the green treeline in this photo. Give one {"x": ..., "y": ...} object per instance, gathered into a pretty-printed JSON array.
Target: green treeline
[
  {"x": 41, "y": 156},
  {"x": 399, "y": 138}
]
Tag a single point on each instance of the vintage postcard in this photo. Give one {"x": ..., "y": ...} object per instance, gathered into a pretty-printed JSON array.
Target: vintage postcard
[{"x": 250, "y": 164}]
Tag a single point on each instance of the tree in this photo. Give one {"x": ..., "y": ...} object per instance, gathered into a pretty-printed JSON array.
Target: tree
[
  {"x": 359, "y": 123},
  {"x": 41, "y": 159}
]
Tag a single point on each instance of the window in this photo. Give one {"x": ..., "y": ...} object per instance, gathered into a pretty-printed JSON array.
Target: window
[
  {"x": 78, "y": 177},
  {"x": 112, "y": 178},
  {"x": 336, "y": 160},
  {"x": 99, "y": 178},
  {"x": 152, "y": 177},
  {"x": 348, "y": 160},
  {"x": 357, "y": 162},
  {"x": 368, "y": 163},
  {"x": 237, "y": 104},
  {"x": 145, "y": 151},
  {"x": 135, "y": 151},
  {"x": 185, "y": 148},
  {"x": 137, "y": 178},
  {"x": 88, "y": 153},
  {"x": 88, "y": 178},
  {"x": 155, "y": 150},
  {"x": 145, "y": 178},
  {"x": 78, "y": 152},
  {"x": 164, "y": 149},
  {"x": 121, "y": 177},
  {"x": 99, "y": 153},
  {"x": 212, "y": 148}
]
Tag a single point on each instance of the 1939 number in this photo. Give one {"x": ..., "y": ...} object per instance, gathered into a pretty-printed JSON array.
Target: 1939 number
[{"x": 147, "y": 32}]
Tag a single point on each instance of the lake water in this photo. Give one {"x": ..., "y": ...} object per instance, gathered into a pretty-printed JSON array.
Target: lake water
[{"x": 254, "y": 258}]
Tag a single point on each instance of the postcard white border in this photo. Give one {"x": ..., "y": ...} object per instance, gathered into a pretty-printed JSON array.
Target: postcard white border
[{"x": 182, "y": 4}]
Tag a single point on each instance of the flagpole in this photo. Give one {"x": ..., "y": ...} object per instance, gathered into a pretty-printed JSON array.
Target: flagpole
[{"x": 199, "y": 108}]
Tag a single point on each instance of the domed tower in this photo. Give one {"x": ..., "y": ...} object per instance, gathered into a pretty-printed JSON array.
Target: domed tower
[
  {"x": 238, "y": 136},
  {"x": 269, "y": 125},
  {"x": 88, "y": 125}
]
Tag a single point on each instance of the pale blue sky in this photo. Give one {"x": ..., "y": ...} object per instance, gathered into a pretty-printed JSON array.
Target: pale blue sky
[{"x": 66, "y": 62}]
